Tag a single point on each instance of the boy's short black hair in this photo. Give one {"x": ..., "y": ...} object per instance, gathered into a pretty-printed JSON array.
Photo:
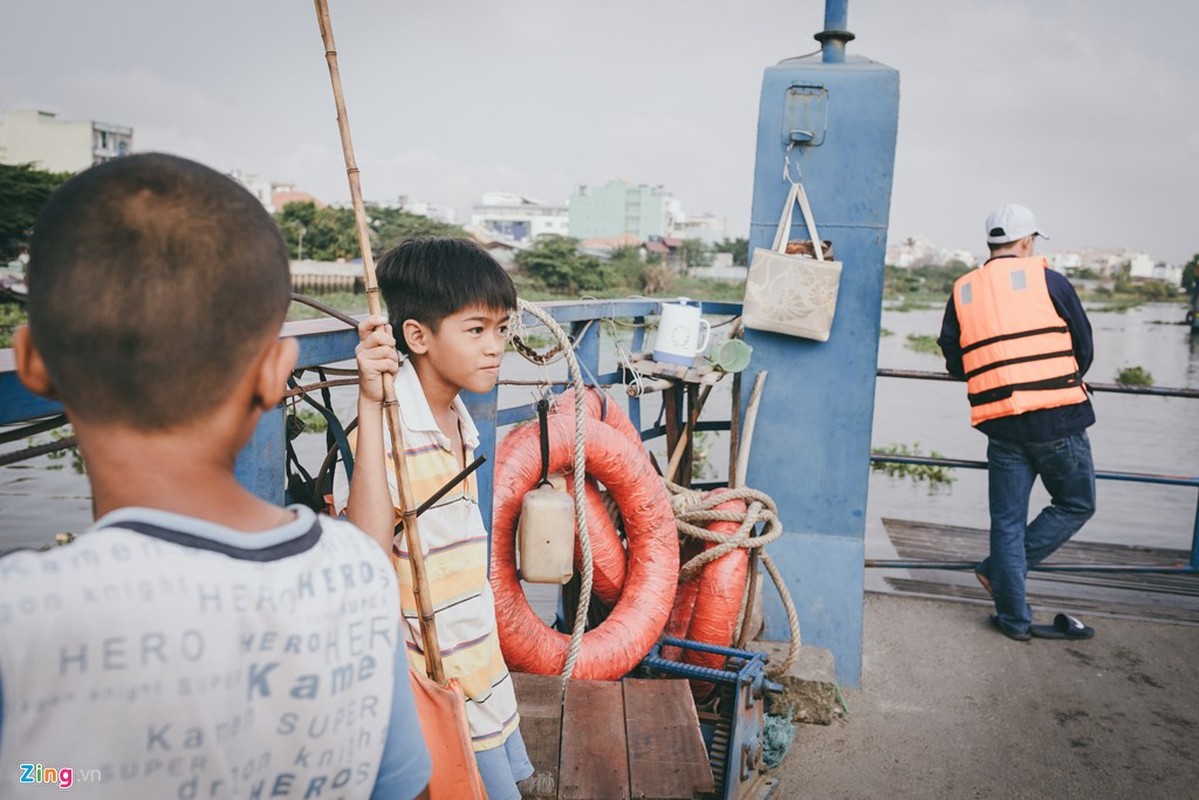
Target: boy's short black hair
[
  {"x": 429, "y": 278},
  {"x": 153, "y": 280}
]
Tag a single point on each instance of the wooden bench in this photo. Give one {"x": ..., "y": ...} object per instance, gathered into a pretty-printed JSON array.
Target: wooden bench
[{"x": 608, "y": 740}]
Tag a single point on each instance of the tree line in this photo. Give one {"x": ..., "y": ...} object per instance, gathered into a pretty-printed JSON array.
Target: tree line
[
  {"x": 329, "y": 234},
  {"x": 559, "y": 265},
  {"x": 322, "y": 234},
  {"x": 23, "y": 192}
]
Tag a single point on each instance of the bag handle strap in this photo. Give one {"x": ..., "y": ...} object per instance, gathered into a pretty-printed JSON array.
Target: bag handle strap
[
  {"x": 797, "y": 196},
  {"x": 809, "y": 220},
  {"x": 784, "y": 226}
]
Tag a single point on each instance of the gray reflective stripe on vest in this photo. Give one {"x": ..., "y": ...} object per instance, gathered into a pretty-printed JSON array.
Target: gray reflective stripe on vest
[
  {"x": 1019, "y": 280},
  {"x": 967, "y": 293}
]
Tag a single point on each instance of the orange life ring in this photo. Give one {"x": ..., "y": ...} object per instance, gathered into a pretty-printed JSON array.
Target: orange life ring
[
  {"x": 609, "y": 561},
  {"x": 607, "y": 550},
  {"x": 616, "y": 646},
  {"x": 598, "y": 406},
  {"x": 706, "y": 607}
]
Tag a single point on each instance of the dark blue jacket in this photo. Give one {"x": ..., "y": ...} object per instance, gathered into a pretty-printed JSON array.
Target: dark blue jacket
[{"x": 1047, "y": 424}]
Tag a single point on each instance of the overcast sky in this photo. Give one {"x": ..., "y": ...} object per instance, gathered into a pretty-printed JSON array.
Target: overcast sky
[{"x": 1085, "y": 110}]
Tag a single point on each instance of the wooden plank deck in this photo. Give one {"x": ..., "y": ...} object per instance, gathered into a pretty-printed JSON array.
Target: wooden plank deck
[
  {"x": 1139, "y": 595},
  {"x": 541, "y": 728},
  {"x": 594, "y": 763},
  {"x": 667, "y": 758},
  {"x": 611, "y": 741}
]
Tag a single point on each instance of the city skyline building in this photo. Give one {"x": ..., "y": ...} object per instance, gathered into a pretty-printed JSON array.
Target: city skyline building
[
  {"x": 621, "y": 206},
  {"x": 31, "y": 136},
  {"x": 519, "y": 218}
]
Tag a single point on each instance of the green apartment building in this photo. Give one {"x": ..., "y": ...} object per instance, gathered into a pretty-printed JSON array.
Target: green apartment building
[{"x": 621, "y": 207}]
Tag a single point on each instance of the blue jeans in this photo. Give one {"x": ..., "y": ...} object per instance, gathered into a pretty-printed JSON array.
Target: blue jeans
[
  {"x": 1068, "y": 473},
  {"x": 503, "y": 767}
]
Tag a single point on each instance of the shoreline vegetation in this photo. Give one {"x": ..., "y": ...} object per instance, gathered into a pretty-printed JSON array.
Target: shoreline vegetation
[
  {"x": 557, "y": 267},
  {"x": 559, "y": 272},
  {"x": 625, "y": 274},
  {"x": 928, "y": 287}
]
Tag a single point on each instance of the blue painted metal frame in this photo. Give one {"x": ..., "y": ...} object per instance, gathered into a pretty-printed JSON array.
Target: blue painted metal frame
[
  {"x": 812, "y": 441},
  {"x": 260, "y": 465},
  {"x": 16, "y": 403},
  {"x": 746, "y": 673}
]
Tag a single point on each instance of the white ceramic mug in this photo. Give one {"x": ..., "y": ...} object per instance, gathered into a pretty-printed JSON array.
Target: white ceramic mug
[{"x": 683, "y": 334}]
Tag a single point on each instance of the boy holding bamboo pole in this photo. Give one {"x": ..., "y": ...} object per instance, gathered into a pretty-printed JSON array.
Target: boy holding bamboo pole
[{"x": 450, "y": 302}]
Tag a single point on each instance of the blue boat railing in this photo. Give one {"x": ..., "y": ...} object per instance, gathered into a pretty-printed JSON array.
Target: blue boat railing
[
  {"x": 324, "y": 341},
  {"x": 1112, "y": 475}
]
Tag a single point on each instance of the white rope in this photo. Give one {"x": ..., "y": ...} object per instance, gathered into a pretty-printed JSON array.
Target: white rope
[
  {"x": 691, "y": 507},
  {"x": 625, "y": 358},
  {"x": 580, "y": 482}
]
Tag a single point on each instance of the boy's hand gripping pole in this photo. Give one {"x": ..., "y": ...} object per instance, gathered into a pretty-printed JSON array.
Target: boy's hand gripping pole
[{"x": 420, "y": 579}]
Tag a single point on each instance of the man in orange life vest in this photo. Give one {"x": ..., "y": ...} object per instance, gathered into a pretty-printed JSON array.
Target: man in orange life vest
[{"x": 1016, "y": 331}]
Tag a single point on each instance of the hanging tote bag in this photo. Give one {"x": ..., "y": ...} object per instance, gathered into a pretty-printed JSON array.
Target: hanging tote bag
[{"x": 792, "y": 294}]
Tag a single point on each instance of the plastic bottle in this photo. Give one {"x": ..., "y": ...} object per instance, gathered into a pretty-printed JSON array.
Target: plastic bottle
[{"x": 546, "y": 536}]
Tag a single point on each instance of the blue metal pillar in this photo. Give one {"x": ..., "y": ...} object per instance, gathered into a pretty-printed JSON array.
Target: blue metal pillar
[
  {"x": 261, "y": 463},
  {"x": 1195, "y": 541},
  {"x": 840, "y": 119}
]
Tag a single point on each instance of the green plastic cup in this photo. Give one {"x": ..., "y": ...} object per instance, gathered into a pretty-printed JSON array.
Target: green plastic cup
[{"x": 731, "y": 355}]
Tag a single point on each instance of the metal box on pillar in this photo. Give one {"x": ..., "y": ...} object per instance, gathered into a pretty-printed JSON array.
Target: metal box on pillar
[{"x": 833, "y": 119}]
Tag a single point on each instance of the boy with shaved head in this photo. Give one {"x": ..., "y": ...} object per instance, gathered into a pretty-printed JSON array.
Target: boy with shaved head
[{"x": 197, "y": 641}]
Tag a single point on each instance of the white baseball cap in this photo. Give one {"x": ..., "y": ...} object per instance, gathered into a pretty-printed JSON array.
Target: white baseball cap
[{"x": 1011, "y": 223}]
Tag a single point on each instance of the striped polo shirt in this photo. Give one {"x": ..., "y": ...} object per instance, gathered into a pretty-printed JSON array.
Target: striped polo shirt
[{"x": 454, "y": 542}]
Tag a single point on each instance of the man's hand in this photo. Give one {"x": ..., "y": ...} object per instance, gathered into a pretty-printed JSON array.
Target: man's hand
[{"x": 376, "y": 356}]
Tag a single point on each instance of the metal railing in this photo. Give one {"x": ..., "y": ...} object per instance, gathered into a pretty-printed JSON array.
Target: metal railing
[{"x": 1112, "y": 475}]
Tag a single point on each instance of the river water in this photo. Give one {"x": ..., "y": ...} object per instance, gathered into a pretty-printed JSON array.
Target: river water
[{"x": 44, "y": 496}]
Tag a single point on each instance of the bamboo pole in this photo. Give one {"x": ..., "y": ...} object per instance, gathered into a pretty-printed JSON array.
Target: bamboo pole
[
  {"x": 736, "y": 332},
  {"x": 737, "y": 478},
  {"x": 734, "y": 430},
  {"x": 420, "y": 578},
  {"x": 747, "y": 434}
]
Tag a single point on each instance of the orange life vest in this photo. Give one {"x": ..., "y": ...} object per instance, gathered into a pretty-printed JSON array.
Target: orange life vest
[{"x": 1016, "y": 349}]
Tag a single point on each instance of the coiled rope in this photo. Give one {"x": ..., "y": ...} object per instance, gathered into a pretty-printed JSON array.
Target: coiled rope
[
  {"x": 580, "y": 471},
  {"x": 692, "y": 510}
]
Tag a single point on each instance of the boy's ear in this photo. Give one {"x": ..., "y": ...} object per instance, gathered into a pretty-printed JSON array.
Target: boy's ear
[
  {"x": 31, "y": 369},
  {"x": 416, "y": 335},
  {"x": 275, "y": 366}
]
